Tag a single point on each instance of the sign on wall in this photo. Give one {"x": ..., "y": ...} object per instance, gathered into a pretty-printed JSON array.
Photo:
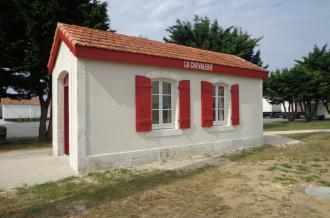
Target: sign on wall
[{"x": 197, "y": 65}]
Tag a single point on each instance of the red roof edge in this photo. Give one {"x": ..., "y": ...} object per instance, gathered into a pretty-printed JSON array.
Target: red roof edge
[
  {"x": 128, "y": 57},
  {"x": 59, "y": 36},
  {"x": 104, "y": 54}
]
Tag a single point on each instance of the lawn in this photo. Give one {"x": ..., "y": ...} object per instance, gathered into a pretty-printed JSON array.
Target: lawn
[
  {"x": 297, "y": 125},
  {"x": 24, "y": 143},
  {"x": 268, "y": 181}
]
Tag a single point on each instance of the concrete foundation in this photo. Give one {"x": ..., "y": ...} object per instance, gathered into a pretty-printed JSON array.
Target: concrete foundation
[{"x": 134, "y": 158}]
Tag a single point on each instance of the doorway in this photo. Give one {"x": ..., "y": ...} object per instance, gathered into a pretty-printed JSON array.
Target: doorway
[{"x": 66, "y": 115}]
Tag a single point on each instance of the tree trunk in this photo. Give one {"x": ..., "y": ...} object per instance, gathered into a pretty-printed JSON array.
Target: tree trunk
[
  {"x": 285, "y": 111},
  {"x": 295, "y": 109},
  {"x": 44, "y": 105},
  {"x": 308, "y": 111},
  {"x": 50, "y": 124},
  {"x": 291, "y": 116},
  {"x": 314, "y": 111},
  {"x": 325, "y": 103},
  {"x": 302, "y": 108}
]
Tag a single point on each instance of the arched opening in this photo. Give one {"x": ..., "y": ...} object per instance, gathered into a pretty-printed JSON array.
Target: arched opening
[
  {"x": 62, "y": 115},
  {"x": 66, "y": 114}
]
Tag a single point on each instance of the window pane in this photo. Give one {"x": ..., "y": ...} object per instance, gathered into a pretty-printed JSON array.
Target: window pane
[
  {"x": 155, "y": 87},
  {"x": 167, "y": 116},
  {"x": 155, "y": 102},
  {"x": 167, "y": 104},
  {"x": 214, "y": 89},
  {"x": 155, "y": 116},
  {"x": 166, "y": 88},
  {"x": 214, "y": 102},
  {"x": 221, "y": 102},
  {"x": 221, "y": 91},
  {"x": 221, "y": 115},
  {"x": 214, "y": 115}
]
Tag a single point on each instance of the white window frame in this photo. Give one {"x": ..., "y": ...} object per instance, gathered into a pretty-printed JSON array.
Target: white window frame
[
  {"x": 223, "y": 122},
  {"x": 161, "y": 125}
]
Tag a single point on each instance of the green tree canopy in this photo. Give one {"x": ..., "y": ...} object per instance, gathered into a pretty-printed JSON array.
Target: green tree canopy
[
  {"x": 201, "y": 33},
  {"x": 304, "y": 85},
  {"x": 317, "y": 64},
  {"x": 30, "y": 35}
]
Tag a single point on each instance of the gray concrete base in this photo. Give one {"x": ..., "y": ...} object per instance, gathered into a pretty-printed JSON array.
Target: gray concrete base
[{"x": 134, "y": 158}]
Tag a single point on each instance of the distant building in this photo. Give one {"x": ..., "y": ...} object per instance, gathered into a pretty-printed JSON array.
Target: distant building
[
  {"x": 276, "y": 110},
  {"x": 13, "y": 109},
  {"x": 272, "y": 110}
]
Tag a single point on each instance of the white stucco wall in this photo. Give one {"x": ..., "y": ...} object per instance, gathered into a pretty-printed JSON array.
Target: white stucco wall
[
  {"x": 67, "y": 63},
  {"x": 111, "y": 109},
  {"x": 20, "y": 111},
  {"x": 102, "y": 115}
]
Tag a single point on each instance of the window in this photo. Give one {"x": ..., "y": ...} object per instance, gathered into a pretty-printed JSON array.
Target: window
[
  {"x": 219, "y": 104},
  {"x": 162, "y": 104}
]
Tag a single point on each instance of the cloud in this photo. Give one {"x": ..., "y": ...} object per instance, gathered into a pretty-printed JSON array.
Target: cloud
[
  {"x": 290, "y": 28},
  {"x": 165, "y": 8}
]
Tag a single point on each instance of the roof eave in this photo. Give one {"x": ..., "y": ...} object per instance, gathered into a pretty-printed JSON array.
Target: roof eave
[{"x": 106, "y": 54}]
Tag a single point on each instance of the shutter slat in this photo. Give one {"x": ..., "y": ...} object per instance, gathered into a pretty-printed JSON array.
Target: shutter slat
[
  {"x": 207, "y": 104},
  {"x": 143, "y": 103},
  {"x": 235, "y": 117},
  {"x": 184, "y": 104}
]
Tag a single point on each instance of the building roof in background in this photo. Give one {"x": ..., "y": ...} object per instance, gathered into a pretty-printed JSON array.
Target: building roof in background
[
  {"x": 81, "y": 37},
  {"x": 8, "y": 101}
]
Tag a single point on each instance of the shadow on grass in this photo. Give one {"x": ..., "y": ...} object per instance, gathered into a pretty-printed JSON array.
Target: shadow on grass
[{"x": 55, "y": 198}]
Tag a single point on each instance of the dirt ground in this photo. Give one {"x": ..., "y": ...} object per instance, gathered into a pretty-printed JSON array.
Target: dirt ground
[{"x": 266, "y": 182}]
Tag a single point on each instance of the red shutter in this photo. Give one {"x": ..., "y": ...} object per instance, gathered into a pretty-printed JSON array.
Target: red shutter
[
  {"x": 184, "y": 104},
  {"x": 143, "y": 103},
  {"x": 207, "y": 104},
  {"x": 235, "y": 104}
]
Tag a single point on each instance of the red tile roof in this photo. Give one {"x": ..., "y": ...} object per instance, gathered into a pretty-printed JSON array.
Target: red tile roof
[
  {"x": 77, "y": 36},
  {"x": 8, "y": 101}
]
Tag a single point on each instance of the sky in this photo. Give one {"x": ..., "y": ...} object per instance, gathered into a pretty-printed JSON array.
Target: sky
[{"x": 290, "y": 28}]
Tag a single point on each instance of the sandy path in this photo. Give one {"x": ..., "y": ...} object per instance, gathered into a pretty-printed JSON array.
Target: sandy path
[{"x": 31, "y": 167}]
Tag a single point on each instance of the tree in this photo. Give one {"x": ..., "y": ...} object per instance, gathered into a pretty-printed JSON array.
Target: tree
[
  {"x": 12, "y": 47},
  {"x": 38, "y": 21},
  {"x": 281, "y": 88},
  {"x": 304, "y": 85},
  {"x": 201, "y": 33},
  {"x": 317, "y": 88}
]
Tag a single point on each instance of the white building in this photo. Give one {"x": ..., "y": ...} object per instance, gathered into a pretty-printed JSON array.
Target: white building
[
  {"x": 120, "y": 101},
  {"x": 20, "y": 109},
  {"x": 276, "y": 109},
  {"x": 270, "y": 109}
]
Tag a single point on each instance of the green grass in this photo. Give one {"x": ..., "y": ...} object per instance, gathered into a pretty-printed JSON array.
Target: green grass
[
  {"x": 206, "y": 191},
  {"x": 25, "y": 143},
  {"x": 297, "y": 125},
  {"x": 90, "y": 189}
]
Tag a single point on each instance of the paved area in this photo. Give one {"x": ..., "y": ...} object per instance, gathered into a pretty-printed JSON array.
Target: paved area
[
  {"x": 31, "y": 167},
  {"x": 20, "y": 129},
  {"x": 288, "y": 132},
  {"x": 322, "y": 192},
  {"x": 276, "y": 138},
  {"x": 279, "y": 141},
  {"x": 273, "y": 120}
]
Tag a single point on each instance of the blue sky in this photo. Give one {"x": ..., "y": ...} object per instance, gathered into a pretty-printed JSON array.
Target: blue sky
[{"x": 290, "y": 28}]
